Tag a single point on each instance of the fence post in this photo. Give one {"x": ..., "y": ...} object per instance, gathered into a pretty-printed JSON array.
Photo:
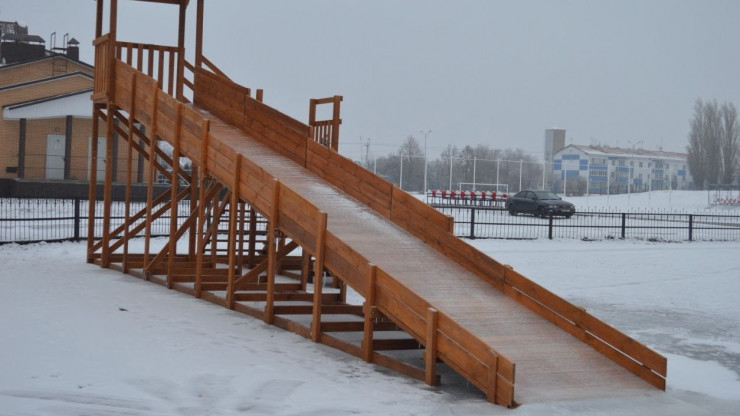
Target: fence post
[
  {"x": 549, "y": 227},
  {"x": 691, "y": 227},
  {"x": 624, "y": 225},
  {"x": 77, "y": 219},
  {"x": 472, "y": 223}
]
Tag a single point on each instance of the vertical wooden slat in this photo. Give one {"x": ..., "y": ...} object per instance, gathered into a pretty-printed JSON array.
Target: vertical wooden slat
[
  {"x": 160, "y": 67},
  {"x": 242, "y": 224},
  {"x": 318, "y": 278},
  {"x": 150, "y": 62},
  {"x": 171, "y": 73},
  {"x": 272, "y": 228},
  {"x": 368, "y": 308},
  {"x": 252, "y": 243},
  {"x": 140, "y": 57},
  {"x": 129, "y": 53},
  {"x": 430, "y": 352}
]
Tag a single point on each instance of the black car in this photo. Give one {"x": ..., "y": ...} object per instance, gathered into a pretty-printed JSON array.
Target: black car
[{"x": 540, "y": 203}]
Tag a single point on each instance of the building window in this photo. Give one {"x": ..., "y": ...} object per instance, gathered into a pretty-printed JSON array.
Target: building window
[{"x": 640, "y": 165}]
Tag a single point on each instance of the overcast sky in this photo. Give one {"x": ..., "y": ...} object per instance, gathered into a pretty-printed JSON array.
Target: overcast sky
[{"x": 473, "y": 72}]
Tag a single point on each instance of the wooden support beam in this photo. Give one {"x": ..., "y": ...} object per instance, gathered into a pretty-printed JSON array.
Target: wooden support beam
[
  {"x": 255, "y": 271},
  {"x": 430, "y": 353},
  {"x": 93, "y": 175},
  {"x": 305, "y": 268},
  {"x": 233, "y": 218},
  {"x": 199, "y": 34},
  {"x": 200, "y": 248},
  {"x": 193, "y": 209},
  {"x": 175, "y": 185},
  {"x": 129, "y": 173},
  {"x": 181, "y": 52},
  {"x": 108, "y": 187},
  {"x": 318, "y": 278},
  {"x": 272, "y": 229},
  {"x": 492, "y": 380},
  {"x": 369, "y": 311},
  {"x": 150, "y": 177}
]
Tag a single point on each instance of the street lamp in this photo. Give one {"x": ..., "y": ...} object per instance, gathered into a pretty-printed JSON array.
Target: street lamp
[{"x": 425, "y": 158}]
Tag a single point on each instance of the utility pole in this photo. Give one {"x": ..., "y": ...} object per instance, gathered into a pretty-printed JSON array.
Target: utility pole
[{"x": 425, "y": 157}]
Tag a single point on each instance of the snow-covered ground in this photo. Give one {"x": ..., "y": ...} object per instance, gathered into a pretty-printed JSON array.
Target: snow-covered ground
[{"x": 79, "y": 340}]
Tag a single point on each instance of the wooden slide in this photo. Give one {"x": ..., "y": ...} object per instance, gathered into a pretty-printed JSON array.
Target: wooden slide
[{"x": 513, "y": 339}]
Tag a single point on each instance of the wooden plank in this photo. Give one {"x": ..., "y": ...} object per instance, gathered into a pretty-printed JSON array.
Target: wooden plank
[
  {"x": 396, "y": 344},
  {"x": 325, "y": 309}
]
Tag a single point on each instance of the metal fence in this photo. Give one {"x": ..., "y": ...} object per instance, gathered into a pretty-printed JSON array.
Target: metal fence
[
  {"x": 492, "y": 222},
  {"x": 34, "y": 220}
]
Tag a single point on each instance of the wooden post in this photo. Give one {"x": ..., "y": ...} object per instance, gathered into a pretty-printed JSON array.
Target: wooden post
[
  {"x": 369, "y": 310},
  {"x": 150, "y": 176},
  {"x": 199, "y": 35},
  {"x": 110, "y": 64},
  {"x": 305, "y": 268},
  {"x": 233, "y": 218},
  {"x": 430, "y": 352},
  {"x": 492, "y": 379},
  {"x": 201, "y": 244},
  {"x": 336, "y": 122},
  {"x": 99, "y": 21},
  {"x": 93, "y": 177},
  {"x": 181, "y": 52},
  {"x": 193, "y": 207},
  {"x": 318, "y": 278},
  {"x": 272, "y": 228},
  {"x": 108, "y": 187},
  {"x": 129, "y": 173},
  {"x": 173, "y": 196}
]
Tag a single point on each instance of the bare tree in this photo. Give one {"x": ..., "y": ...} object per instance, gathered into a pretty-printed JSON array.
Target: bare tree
[
  {"x": 713, "y": 143},
  {"x": 729, "y": 142}
]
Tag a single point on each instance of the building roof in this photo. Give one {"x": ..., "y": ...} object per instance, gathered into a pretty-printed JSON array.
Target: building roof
[
  {"x": 76, "y": 103},
  {"x": 13, "y": 37},
  {"x": 47, "y": 79},
  {"x": 50, "y": 55},
  {"x": 607, "y": 151}
]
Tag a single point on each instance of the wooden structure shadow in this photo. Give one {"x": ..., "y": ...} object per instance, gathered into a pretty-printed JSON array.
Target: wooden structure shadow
[{"x": 268, "y": 219}]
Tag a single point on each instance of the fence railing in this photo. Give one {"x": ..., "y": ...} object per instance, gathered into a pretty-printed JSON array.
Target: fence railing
[
  {"x": 35, "y": 220},
  {"x": 494, "y": 222}
]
